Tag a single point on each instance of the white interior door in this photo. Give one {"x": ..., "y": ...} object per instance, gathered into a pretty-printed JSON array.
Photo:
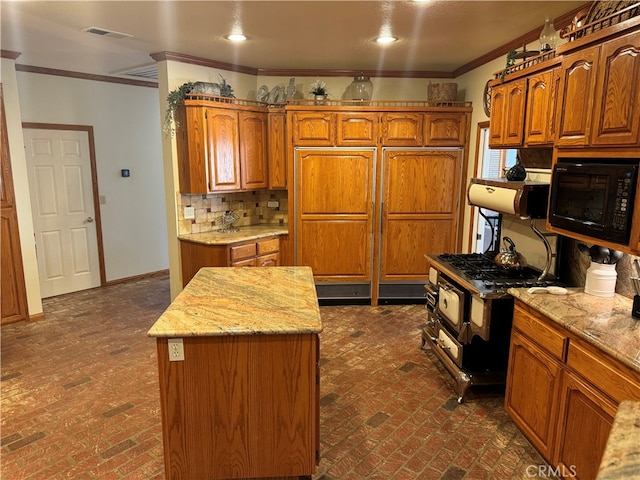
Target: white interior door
[{"x": 61, "y": 189}]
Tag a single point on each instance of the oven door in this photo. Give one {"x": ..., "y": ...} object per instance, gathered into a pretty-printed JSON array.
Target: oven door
[{"x": 451, "y": 305}]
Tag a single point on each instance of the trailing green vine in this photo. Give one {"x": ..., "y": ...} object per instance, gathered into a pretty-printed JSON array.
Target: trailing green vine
[{"x": 174, "y": 99}]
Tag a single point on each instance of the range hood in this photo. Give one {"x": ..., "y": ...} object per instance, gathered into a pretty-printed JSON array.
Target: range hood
[{"x": 527, "y": 199}]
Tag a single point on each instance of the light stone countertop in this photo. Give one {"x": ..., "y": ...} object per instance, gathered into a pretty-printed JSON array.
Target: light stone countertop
[
  {"x": 621, "y": 459},
  {"x": 604, "y": 322},
  {"x": 252, "y": 232},
  {"x": 243, "y": 301}
]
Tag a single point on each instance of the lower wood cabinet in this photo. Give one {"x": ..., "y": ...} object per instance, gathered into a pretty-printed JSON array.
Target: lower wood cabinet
[
  {"x": 263, "y": 252},
  {"x": 563, "y": 393}
]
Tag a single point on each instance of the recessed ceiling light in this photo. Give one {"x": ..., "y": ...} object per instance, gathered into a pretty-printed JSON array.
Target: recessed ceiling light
[
  {"x": 385, "y": 39},
  {"x": 236, "y": 37}
]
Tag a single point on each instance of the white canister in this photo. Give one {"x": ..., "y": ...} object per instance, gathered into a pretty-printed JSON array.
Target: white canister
[{"x": 601, "y": 280}]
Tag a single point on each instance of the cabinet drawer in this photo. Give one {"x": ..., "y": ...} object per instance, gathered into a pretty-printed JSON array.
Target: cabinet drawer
[
  {"x": 605, "y": 373},
  {"x": 239, "y": 252},
  {"x": 268, "y": 246},
  {"x": 250, "y": 262},
  {"x": 535, "y": 328},
  {"x": 271, "y": 260}
]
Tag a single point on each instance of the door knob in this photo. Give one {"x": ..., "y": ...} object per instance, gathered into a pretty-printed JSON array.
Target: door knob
[{"x": 89, "y": 220}]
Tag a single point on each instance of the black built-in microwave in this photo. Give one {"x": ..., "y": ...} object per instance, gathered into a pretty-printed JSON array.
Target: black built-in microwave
[{"x": 594, "y": 197}]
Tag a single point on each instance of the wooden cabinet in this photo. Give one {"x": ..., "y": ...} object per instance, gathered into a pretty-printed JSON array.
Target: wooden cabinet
[
  {"x": 420, "y": 210},
  {"x": 277, "y": 156},
  {"x": 506, "y": 125},
  {"x": 13, "y": 291},
  {"x": 617, "y": 94},
  {"x": 574, "y": 109},
  {"x": 445, "y": 129},
  {"x": 334, "y": 221},
  {"x": 221, "y": 148},
  {"x": 328, "y": 129},
  {"x": 402, "y": 129},
  {"x": 264, "y": 252},
  {"x": 356, "y": 129},
  {"x": 563, "y": 392},
  {"x": 539, "y": 126},
  {"x": 313, "y": 129}
]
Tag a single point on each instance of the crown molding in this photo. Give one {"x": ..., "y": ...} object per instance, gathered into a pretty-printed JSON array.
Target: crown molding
[
  {"x": 9, "y": 54},
  {"x": 84, "y": 76}
]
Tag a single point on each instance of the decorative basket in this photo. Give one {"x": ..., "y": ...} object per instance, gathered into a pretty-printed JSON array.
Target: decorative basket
[{"x": 442, "y": 92}]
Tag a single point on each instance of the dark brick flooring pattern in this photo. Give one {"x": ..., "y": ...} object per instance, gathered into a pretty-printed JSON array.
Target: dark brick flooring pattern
[{"x": 80, "y": 397}]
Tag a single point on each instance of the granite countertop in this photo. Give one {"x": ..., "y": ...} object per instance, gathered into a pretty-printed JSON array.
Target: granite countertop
[
  {"x": 621, "y": 459},
  {"x": 252, "y": 232},
  {"x": 604, "y": 322},
  {"x": 243, "y": 301}
]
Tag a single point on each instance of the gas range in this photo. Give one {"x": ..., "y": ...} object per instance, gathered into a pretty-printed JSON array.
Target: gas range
[{"x": 479, "y": 273}]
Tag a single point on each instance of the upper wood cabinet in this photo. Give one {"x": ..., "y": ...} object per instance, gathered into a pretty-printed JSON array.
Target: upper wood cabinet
[
  {"x": 445, "y": 129},
  {"x": 574, "y": 109},
  {"x": 277, "y": 156},
  {"x": 600, "y": 95},
  {"x": 357, "y": 129},
  {"x": 403, "y": 129},
  {"x": 221, "y": 148},
  {"x": 253, "y": 150},
  {"x": 617, "y": 106},
  {"x": 313, "y": 129},
  {"x": 539, "y": 126},
  {"x": 506, "y": 127}
]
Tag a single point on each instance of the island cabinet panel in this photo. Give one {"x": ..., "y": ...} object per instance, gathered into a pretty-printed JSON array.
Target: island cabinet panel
[
  {"x": 402, "y": 129},
  {"x": 357, "y": 129},
  {"x": 617, "y": 104},
  {"x": 240, "y": 406},
  {"x": 253, "y": 150},
  {"x": 541, "y": 95},
  {"x": 419, "y": 209},
  {"x": 574, "y": 110},
  {"x": 445, "y": 129},
  {"x": 277, "y": 156}
]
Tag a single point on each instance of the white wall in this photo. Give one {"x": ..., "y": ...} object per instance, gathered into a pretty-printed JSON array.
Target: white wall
[
  {"x": 127, "y": 132},
  {"x": 20, "y": 180}
]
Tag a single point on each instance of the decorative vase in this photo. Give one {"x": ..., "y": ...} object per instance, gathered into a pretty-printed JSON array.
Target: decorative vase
[
  {"x": 517, "y": 173},
  {"x": 320, "y": 99},
  {"x": 361, "y": 88}
]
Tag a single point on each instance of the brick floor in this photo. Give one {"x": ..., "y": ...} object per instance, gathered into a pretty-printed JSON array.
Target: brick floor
[{"x": 80, "y": 397}]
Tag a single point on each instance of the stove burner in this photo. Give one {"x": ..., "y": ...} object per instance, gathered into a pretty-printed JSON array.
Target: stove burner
[{"x": 482, "y": 267}]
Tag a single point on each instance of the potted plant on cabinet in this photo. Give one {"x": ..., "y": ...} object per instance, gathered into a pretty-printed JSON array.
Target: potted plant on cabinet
[{"x": 319, "y": 91}]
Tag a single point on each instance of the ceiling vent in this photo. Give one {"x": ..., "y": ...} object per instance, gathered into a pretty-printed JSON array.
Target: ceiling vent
[
  {"x": 103, "y": 32},
  {"x": 148, "y": 72}
]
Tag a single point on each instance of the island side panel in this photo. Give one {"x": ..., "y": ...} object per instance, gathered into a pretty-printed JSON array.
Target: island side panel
[{"x": 240, "y": 406}]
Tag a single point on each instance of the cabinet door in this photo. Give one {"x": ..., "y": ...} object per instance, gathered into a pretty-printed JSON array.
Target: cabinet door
[
  {"x": 616, "y": 118},
  {"x": 498, "y": 112},
  {"x": 419, "y": 210},
  {"x": 576, "y": 92},
  {"x": 402, "y": 129},
  {"x": 224, "y": 156},
  {"x": 253, "y": 150},
  {"x": 313, "y": 129},
  {"x": 192, "y": 149},
  {"x": 334, "y": 213},
  {"x": 584, "y": 423},
  {"x": 277, "y": 158},
  {"x": 357, "y": 129},
  {"x": 539, "y": 115},
  {"x": 533, "y": 386},
  {"x": 513, "y": 129},
  {"x": 445, "y": 129}
]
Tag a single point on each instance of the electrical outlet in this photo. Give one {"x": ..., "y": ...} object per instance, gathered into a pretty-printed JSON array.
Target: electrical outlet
[
  {"x": 273, "y": 204},
  {"x": 176, "y": 350},
  {"x": 189, "y": 213}
]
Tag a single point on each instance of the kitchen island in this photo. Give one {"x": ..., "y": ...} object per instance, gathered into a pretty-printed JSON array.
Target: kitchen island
[{"x": 238, "y": 356}]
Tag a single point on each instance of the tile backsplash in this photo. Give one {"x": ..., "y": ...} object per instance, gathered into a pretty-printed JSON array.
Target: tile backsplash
[{"x": 251, "y": 208}]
